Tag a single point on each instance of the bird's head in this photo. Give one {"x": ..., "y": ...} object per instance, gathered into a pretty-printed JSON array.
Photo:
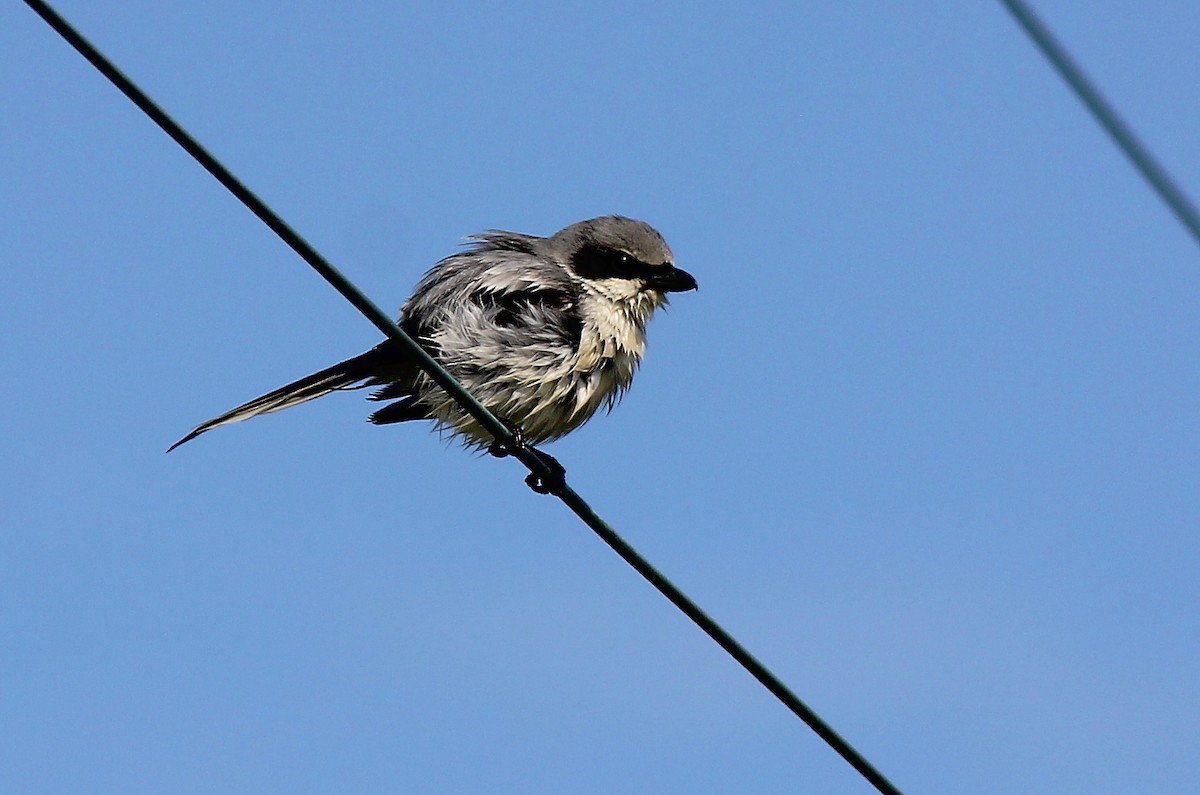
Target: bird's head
[{"x": 621, "y": 259}]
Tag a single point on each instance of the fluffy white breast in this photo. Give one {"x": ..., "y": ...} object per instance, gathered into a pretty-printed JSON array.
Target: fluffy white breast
[{"x": 612, "y": 343}]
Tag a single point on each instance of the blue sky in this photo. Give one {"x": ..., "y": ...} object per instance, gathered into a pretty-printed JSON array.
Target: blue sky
[{"x": 926, "y": 440}]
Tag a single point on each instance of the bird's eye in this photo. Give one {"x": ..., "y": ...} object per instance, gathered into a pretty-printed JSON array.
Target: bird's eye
[{"x": 601, "y": 262}]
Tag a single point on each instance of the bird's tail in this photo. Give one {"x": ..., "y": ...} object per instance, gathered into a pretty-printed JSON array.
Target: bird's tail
[{"x": 361, "y": 370}]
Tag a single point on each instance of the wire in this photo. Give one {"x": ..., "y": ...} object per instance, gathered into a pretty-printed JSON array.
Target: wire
[
  {"x": 277, "y": 225},
  {"x": 728, "y": 643},
  {"x": 1107, "y": 115},
  {"x": 510, "y": 443}
]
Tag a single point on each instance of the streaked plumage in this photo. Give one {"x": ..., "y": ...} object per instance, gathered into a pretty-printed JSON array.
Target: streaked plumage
[{"x": 542, "y": 330}]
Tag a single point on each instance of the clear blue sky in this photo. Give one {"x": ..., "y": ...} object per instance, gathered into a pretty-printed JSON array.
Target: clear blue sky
[{"x": 927, "y": 440}]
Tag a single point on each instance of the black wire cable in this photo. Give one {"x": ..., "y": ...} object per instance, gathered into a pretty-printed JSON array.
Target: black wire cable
[
  {"x": 504, "y": 437},
  {"x": 1107, "y": 115}
]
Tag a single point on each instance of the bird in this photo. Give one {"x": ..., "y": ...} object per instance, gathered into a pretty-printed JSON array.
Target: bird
[{"x": 543, "y": 331}]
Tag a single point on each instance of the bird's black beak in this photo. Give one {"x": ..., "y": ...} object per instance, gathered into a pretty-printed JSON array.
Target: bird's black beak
[{"x": 671, "y": 280}]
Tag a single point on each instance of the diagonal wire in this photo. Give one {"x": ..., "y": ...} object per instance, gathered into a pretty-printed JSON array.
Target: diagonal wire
[
  {"x": 277, "y": 225},
  {"x": 500, "y": 432},
  {"x": 1107, "y": 115}
]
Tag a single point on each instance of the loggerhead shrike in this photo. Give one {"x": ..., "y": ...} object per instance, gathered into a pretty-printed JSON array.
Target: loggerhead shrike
[{"x": 543, "y": 331}]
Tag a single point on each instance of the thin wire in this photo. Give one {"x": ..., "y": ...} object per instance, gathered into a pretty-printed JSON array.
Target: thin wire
[
  {"x": 727, "y": 642},
  {"x": 277, "y": 225},
  {"x": 527, "y": 455},
  {"x": 1107, "y": 115}
]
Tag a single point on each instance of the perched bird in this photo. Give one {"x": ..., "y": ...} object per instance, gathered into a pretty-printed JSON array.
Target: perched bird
[{"x": 543, "y": 331}]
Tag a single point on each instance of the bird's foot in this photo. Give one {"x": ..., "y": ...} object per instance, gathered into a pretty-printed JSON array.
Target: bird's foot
[
  {"x": 502, "y": 449},
  {"x": 554, "y": 481}
]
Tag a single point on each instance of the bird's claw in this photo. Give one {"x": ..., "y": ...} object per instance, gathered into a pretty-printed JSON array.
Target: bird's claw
[
  {"x": 503, "y": 449},
  {"x": 555, "y": 479},
  {"x": 551, "y": 483}
]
